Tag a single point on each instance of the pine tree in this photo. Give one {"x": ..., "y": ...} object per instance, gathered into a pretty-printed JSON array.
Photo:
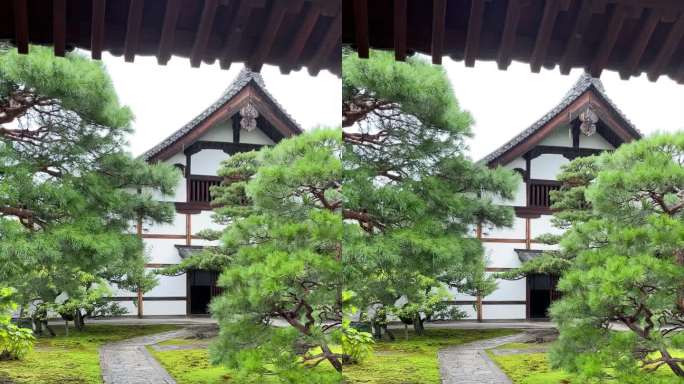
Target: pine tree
[
  {"x": 627, "y": 264},
  {"x": 410, "y": 187},
  {"x": 68, "y": 188}
]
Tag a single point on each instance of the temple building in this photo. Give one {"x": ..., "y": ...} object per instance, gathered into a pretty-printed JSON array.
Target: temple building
[
  {"x": 246, "y": 117},
  {"x": 585, "y": 122}
]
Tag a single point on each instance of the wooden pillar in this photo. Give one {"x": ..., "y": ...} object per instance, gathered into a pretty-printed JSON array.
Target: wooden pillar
[
  {"x": 140, "y": 293},
  {"x": 528, "y": 233},
  {"x": 478, "y": 298}
]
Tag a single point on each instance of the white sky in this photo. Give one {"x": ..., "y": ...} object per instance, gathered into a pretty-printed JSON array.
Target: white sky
[
  {"x": 503, "y": 103},
  {"x": 164, "y": 98}
]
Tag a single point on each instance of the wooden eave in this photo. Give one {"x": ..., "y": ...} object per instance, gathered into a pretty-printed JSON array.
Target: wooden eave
[
  {"x": 628, "y": 36},
  {"x": 289, "y": 34}
]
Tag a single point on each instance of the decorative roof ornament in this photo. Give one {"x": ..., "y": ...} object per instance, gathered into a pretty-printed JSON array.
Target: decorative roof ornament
[
  {"x": 249, "y": 115},
  {"x": 589, "y": 118}
]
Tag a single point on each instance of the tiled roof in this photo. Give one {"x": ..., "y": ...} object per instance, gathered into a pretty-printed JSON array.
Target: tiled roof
[
  {"x": 582, "y": 84},
  {"x": 244, "y": 77}
]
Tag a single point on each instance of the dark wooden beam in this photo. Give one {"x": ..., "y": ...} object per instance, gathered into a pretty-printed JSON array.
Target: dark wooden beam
[
  {"x": 472, "y": 44},
  {"x": 168, "y": 32},
  {"x": 576, "y": 36},
  {"x": 273, "y": 23},
  {"x": 400, "y": 29},
  {"x": 235, "y": 31},
  {"x": 328, "y": 44},
  {"x": 503, "y": 58},
  {"x": 59, "y": 27},
  {"x": 203, "y": 30},
  {"x": 438, "y": 25},
  {"x": 648, "y": 25},
  {"x": 674, "y": 38},
  {"x": 608, "y": 41},
  {"x": 97, "y": 25},
  {"x": 361, "y": 27},
  {"x": 133, "y": 24},
  {"x": 301, "y": 37},
  {"x": 21, "y": 28},
  {"x": 541, "y": 45}
]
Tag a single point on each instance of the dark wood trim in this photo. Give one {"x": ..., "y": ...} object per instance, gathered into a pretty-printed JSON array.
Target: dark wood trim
[
  {"x": 400, "y": 17},
  {"x": 235, "y": 120},
  {"x": 545, "y": 182},
  {"x": 146, "y": 298},
  {"x": 188, "y": 229},
  {"x": 59, "y": 26},
  {"x": 226, "y": 147},
  {"x": 532, "y": 212},
  {"x": 438, "y": 27},
  {"x": 158, "y": 265},
  {"x": 168, "y": 34},
  {"x": 569, "y": 153},
  {"x": 162, "y": 236},
  {"x": 487, "y": 302},
  {"x": 528, "y": 232},
  {"x": 500, "y": 240},
  {"x": 576, "y": 135},
  {"x": 192, "y": 208},
  {"x": 133, "y": 27},
  {"x": 203, "y": 31},
  {"x": 205, "y": 177},
  {"x": 21, "y": 26},
  {"x": 361, "y": 27}
]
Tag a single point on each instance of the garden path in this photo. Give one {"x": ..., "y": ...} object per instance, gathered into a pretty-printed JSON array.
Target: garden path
[
  {"x": 469, "y": 363},
  {"x": 129, "y": 362}
]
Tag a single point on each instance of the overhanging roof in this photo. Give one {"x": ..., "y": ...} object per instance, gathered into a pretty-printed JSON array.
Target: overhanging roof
[
  {"x": 286, "y": 33},
  {"x": 629, "y": 36},
  {"x": 247, "y": 85},
  {"x": 586, "y": 90}
]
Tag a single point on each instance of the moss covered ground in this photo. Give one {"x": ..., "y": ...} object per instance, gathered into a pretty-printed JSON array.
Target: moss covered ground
[
  {"x": 413, "y": 361},
  {"x": 535, "y": 368},
  {"x": 72, "y": 359}
]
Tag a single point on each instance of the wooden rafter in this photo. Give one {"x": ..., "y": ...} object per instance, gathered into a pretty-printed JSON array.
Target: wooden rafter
[
  {"x": 674, "y": 38},
  {"x": 503, "y": 57},
  {"x": 400, "y": 29},
  {"x": 21, "y": 27},
  {"x": 472, "y": 44},
  {"x": 541, "y": 45},
  {"x": 328, "y": 44},
  {"x": 608, "y": 42},
  {"x": 59, "y": 26},
  {"x": 646, "y": 29},
  {"x": 168, "y": 33},
  {"x": 275, "y": 19},
  {"x": 203, "y": 31},
  {"x": 438, "y": 24},
  {"x": 97, "y": 24},
  {"x": 361, "y": 27},
  {"x": 133, "y": 25},
  {"x": 575, "y": 39},
  {"x": 234, "y": 33},
  {"x": 302, "y": 36}
]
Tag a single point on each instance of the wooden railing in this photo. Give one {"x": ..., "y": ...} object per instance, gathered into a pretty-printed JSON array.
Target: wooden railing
[
  {"x": 199, "y": 188},
  {"x": 538, "y": 192}
]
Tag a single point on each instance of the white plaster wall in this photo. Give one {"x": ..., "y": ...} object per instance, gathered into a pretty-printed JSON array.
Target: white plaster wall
[
  {"x": 177, "y": 227},
  {"x": 203, "y": 221},
  {"x": 207, "y": 162},
  {"x": 509, "y": 290},
  {"x": 503, "y": 311},
  {"x": 469, "y": 311},
  {"x": 164, "y": 308},
  {"x": 594, "y": 141},
  {"x": 547, "y": 166},
  {"x": 516, "y": 231},
  {"x": 222, "y": 131},
  {"x": 163, "y": 251},
  {"x": 502, "y": 255},
  {"x": 542, "y": 225},
  {"x": 257, "y": 136},
  {"x": 169, "y": 286},
  {"x": 560, "y": 137}
]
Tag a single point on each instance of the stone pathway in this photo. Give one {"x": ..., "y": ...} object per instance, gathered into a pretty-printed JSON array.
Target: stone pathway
[
  {"x": 129, "y": 362},
  {"x": 469, "y": 363}
]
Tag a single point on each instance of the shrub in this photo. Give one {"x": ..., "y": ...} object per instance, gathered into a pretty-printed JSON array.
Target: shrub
[{"x": 15, "y": 342}]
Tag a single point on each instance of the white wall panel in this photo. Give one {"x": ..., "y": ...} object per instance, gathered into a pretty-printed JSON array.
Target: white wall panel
[
  {"x": 207, "y": 162},
  {"x": 594, "y": 141},
  {"x": 542, "y": 225},
  {"x": 164, "y": 308},
  {"x": 222, "y": 131},
  {"x": 547, "y": 166},
  {"x": 503, "y": 312},
  {"x": 177, "y": 227},
  {"x": 560, "y": 137},
  {"x": 169, "y": 286},
  {"x": 516, "y": 231},
  {"x": 509, "y": 290},
  {"x": 257, "y": 136},
  {"x": 203, "y": 221},
  {"x": 163, "y": 251},
  {"x": 502, "y": 255}
]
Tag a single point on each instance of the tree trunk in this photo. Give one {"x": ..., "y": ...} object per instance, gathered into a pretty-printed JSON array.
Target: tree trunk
[
  {"x": 389, "y": 333},
  {"x": 140, "y": 304},
  {"x": 479, "y": 308},
  {"x": 406, "y": 331},
  {"x": 418, "y": 325},
  {"x": 331, "y": 357},
  {"x": 679, "y": 259},
  {"x": 674, "y": 366},
  {"x": 66, "y": 328},
  {"x": 377, "y": 330},
  {"x": 78, "y": 320}
]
